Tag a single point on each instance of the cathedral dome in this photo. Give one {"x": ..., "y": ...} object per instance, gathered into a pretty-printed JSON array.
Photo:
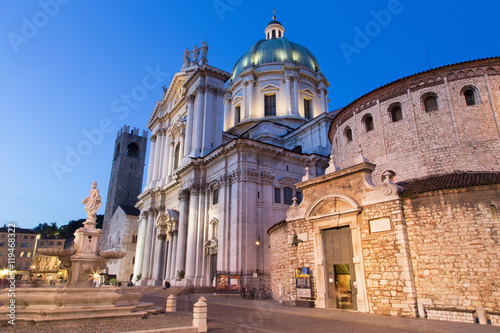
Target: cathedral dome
[{"x": 275, "y": 48}]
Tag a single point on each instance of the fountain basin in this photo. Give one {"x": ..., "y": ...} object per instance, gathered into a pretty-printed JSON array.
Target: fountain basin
[
  {"x": 56, "y": 252},
  {"x": 112, "y": 255}
]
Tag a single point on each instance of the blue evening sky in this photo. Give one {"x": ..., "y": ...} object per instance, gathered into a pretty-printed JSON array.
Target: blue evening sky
[{"x": 66, "y": 67}]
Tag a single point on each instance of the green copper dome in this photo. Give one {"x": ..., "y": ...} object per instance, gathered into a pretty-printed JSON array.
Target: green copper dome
[{"x": 275, "y": 50}]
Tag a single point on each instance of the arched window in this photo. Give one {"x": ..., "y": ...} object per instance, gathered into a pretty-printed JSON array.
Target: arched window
[
  {"x": 368, "y": 122},
  {"x": 430, "y": 102},
  {"x": 117, "y": 151},
  {"x": 471, "y": 95},
  {"x": 177, "y": 155},
  {"x": 396, "y": 112},
  {"x": 132, "y": 149},
  {"x": 274, "y": 33},
  {"x": 470, "y": 99},
  {"x": 348, "y": 134},
  {"x": 279, "y": 33},
  {"x": 494, "y": 213},
  {"x": 134, "y": 239},
  {"x": 287, "y": 196}
]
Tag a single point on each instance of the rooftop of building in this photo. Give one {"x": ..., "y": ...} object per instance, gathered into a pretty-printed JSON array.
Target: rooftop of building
[
  {"x": 458, "y": 179},
  {"x": 18, "y": 230}
]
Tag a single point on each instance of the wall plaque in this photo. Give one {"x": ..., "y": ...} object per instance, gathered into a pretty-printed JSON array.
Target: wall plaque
[{"x": 379, "y": 225}]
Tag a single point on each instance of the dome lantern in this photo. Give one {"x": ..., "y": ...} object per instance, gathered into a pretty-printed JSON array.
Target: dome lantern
[{"x": 274, "y": 29}]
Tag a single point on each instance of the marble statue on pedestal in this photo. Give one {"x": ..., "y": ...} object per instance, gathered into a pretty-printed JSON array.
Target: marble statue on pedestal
[
  {"x": 196, "y": 54},
  {"x": 92, "y": 202},
  {"x": 204, "y": 51},
  {"x": 187, "y": 58}
]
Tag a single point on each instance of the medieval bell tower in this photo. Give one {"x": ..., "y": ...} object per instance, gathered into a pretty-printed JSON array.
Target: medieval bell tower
[{"x": 125, "y": 183}]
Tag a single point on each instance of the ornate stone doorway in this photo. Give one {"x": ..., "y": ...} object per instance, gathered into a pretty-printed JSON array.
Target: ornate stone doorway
[{"x": 340, "y": 270}]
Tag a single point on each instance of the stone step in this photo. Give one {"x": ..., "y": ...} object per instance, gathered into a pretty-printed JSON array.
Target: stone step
[{"x": 77, "y": 318}]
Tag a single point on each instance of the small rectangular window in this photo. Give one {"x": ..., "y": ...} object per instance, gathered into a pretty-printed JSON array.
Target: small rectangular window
[
  {"x": 237, "y": 114},
  {"x": 22, "y": 254},
  {"x": 133, "y": 260},
  {"x": 270, "y": 105},
  {"x": 51, "y": 243},
  {"x": 277, "y": 195},
  {"x": 307, "y": 109},
  {"x": 287, "y": 196},
  {"x": 215, "y": 197},
  {"x": 24, "y": 245}
]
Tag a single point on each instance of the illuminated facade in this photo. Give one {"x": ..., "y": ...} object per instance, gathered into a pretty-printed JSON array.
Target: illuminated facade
[{"x": 226, "y": 151}]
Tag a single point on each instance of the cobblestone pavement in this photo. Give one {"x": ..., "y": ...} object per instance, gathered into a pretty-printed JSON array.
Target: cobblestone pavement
[{"x": 232, "y": 314}]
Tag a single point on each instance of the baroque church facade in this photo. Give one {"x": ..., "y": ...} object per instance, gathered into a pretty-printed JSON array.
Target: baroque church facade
[{"x": 226, "y": 151}]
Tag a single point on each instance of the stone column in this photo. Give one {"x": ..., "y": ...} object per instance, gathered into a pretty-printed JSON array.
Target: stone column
[
  {"x": 180, "y": 258},
  {"x": 189, "y": 126},
  {"x": 229, "y": 112},
  {"x": 166, "y": 159},
  {"x": 151, "y": 159},
  {"x": 192, "y": 232},
  {"x": 169, "y": 254},
  {"x": 234, "y": 220},
  {"x": 147, "y": 245},
  {"x": 141, "y": 240},
  {"x": 222, "y": 232},
  {"x": 157, "y": 157},
  {"x": 288, "y": 96},
  {"x": 322, "y": 100},
  {"x": 200, "y": 238},
  {"x": 250, "y": 99},
  {"x": 198, "y": 125},
  {"x": 160, "y": 245},
  {"x": 244, "y": 102},
  {"x": 181, "y": 148},
  {"x": 161, "y": 156},
  {"x": 295, "y": 98},
  {"x": 171, "y": 159},
  {"x": 174, "y": 253}
]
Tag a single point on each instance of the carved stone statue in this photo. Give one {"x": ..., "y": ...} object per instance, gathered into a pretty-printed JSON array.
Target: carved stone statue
[
  {"x": 92, "y": 202},
  {"x": 187, "y": 58},
  {"x": 196, "y": 54},
  {"x": 204, "y": 51}
]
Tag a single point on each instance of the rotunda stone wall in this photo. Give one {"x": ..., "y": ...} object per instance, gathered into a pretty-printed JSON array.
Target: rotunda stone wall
[{"x": 434, "y": 122}]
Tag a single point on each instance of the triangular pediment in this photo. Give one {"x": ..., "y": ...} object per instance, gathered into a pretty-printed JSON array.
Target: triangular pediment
[
  {"x": 270, "y": 87},
  {"x": 307, "y": 91},
  {"x": 170, "y": 96}
]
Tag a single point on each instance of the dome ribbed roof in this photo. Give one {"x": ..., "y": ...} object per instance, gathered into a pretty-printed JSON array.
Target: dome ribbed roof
[{"x": 275, "y": 50}]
